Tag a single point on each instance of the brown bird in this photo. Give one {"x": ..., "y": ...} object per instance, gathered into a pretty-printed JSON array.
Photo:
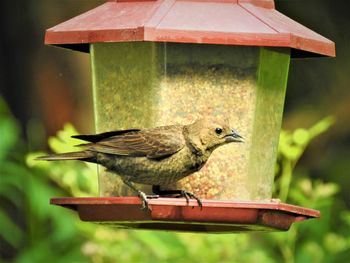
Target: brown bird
[{"x": 157, "y": 156}]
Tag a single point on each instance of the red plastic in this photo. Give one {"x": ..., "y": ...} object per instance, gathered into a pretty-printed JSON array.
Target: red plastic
[
  {"x": 235, "y": 22},
  {"x": 175, "y": 214}
]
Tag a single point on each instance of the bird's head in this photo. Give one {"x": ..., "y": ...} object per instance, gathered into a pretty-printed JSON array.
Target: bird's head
[{"x": 207, "y": 134}]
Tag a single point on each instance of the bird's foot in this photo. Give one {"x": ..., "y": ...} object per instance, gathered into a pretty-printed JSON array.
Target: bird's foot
[
  {"x": 188, "y": 196},
  {"x": 145, "y": 204},
  {"x": 142, "y": 195},
  {"x": 177, "y": 193}
]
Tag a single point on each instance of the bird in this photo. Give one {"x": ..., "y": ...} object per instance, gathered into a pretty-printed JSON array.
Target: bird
[{"x": 155, "y": 156}]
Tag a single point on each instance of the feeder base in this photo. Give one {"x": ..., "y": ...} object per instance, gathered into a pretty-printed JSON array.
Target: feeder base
[{"x": 174, "y": 214}]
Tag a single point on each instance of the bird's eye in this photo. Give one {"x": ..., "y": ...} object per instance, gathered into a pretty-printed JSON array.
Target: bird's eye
[{"x": 218, "y": 130}]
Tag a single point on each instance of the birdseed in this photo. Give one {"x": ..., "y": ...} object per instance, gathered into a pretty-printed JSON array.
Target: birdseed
[{"x": 151, "y": 92}]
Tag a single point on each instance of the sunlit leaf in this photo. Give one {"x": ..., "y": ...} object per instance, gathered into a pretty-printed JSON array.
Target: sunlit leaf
[
  {"x": 321, "y": 126},
  {"x": 324, "y": 190},
  {"x": 311, "y": 251},
  {"x": 335, "y": 243},
  {"x": 301, "y": 137},
  {"x": 32, "y": 162},
  {"x": 305, "y": 185},
  {"x": 63, "y": 141}
]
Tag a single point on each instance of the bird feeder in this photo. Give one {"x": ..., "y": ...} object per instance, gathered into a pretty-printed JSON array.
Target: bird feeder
[{"x": 165, "y": 62}]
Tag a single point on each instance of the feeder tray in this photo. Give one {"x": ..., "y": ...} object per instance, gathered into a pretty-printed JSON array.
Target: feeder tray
[{"x": 173, "y": 214}]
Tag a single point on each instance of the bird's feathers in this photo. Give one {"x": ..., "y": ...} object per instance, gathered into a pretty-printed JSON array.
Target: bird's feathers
[
  {"x": 153, "y": 144},
  {"x": 83, "y": 155},
  {"x": 101, "y": 136}
]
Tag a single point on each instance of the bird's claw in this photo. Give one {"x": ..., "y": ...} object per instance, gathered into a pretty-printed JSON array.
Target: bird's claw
[
  {"x": 177, "y": 193},
  {"x": 188, "y": 196},
  {"x": 145, "y": 204}
]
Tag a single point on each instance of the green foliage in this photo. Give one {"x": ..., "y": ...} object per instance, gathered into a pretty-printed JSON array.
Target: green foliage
[
  {"x": 76, "y": 178},
  {"x": 291, "y": 147},
  {"x": 30, "y": 229},
  {"x": 309, "y": 241},
  {"x": 43, "y": 233}
]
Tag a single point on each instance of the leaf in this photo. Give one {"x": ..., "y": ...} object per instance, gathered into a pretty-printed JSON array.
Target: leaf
[
  {"x": 63, "y": 141},
  {"x": 325, "y": 190},
  {"x": 345, "y": 216},
  {"x": 9, "y": 231},
  {"x": 335, "y": 243},
  {"x": 321, "y": 126},
  {"x": 301, "y": 137},
  {"x": 9, "y": 133},
  {"x": 32, "y": 162},
  {"x": 153, "y": 243}
]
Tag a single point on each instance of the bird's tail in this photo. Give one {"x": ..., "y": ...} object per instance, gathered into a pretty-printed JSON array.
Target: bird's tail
[{"x": 83, "y": 156}]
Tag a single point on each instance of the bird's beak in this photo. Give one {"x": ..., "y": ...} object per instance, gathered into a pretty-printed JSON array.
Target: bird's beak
[{"x": 234, "y": 137}]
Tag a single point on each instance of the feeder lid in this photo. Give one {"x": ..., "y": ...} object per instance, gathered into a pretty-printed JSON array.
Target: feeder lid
[{"x": 228, "y": 22}]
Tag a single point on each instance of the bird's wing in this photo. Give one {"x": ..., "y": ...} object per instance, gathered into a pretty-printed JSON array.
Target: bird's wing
[
  {"x": 101, "y": 136},
  {"x": 154, "y": 144}
]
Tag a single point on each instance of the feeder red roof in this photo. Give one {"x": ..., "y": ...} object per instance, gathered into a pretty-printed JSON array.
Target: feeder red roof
[{"x": 229, "y": 22}]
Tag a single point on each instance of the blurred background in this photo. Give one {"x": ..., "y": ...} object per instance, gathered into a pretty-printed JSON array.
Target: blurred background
[{"x": 42, "y": 88}]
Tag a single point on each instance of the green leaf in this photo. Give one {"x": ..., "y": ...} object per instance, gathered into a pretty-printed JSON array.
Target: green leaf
[
  {"x": 13, "y": 175},
  {"x": 325, "y": 190},
  {"x": 63, "y": 141},
  {"x": 335, "y": 243},
  {"x": 321, "y": 126},
  {"x": 345, "y": 216},
  {"x": 9, "y": 133},
  {"x": 301, "y": 137},
  {"x": 9, "y": 231}
]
